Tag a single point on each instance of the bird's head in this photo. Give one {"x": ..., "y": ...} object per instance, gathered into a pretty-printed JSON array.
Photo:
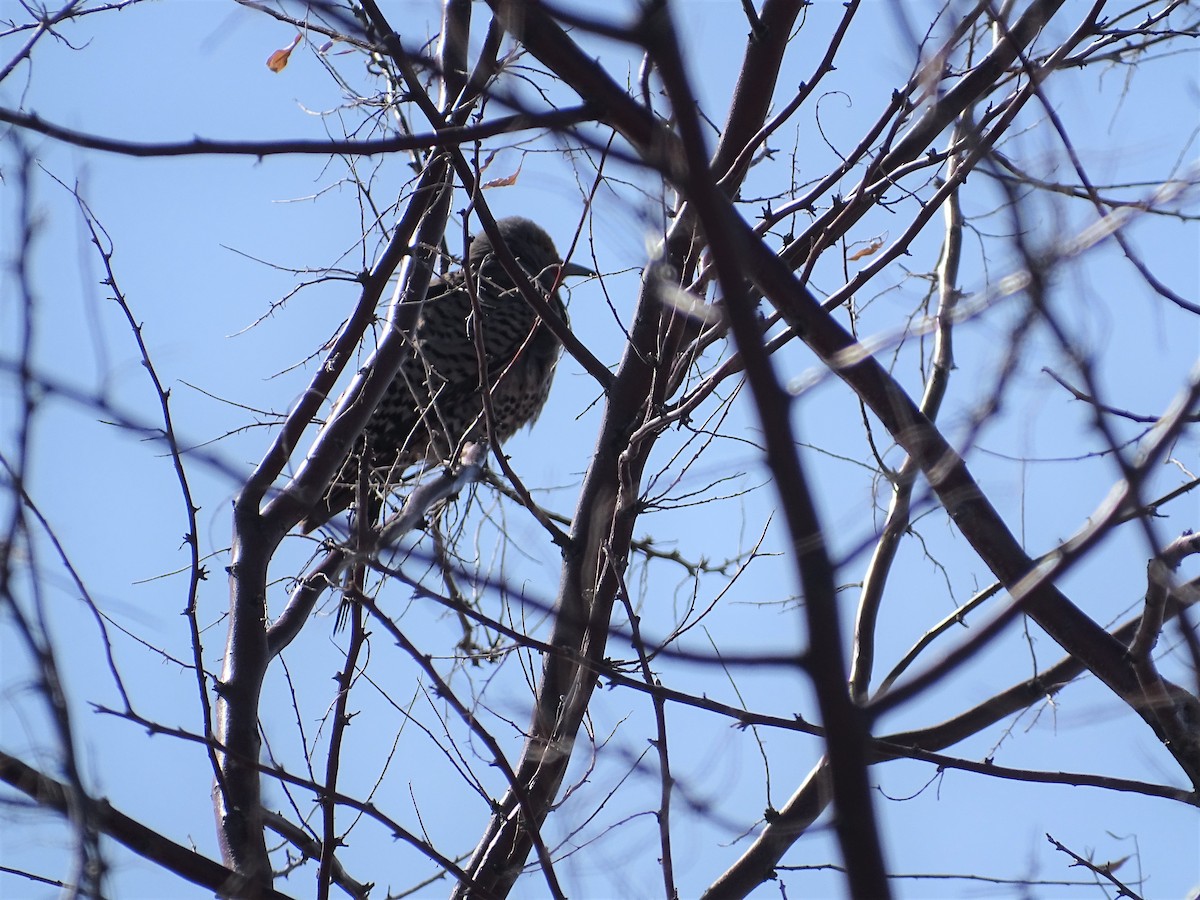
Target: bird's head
[{"x": 532, "y": 247}]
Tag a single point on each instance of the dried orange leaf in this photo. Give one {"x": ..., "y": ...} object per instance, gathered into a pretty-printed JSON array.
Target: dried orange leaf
[
  {"x": 865, "y": 251},
  {"x": 507, "y": 180},
  {"x": 278, "y": 60}
]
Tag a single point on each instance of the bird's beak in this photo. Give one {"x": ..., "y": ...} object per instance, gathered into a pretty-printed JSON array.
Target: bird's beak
[{"x": 573, "y": 268}]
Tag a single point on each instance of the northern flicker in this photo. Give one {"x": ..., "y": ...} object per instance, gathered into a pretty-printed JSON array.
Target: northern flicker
[{"x": 435, "y": 404}]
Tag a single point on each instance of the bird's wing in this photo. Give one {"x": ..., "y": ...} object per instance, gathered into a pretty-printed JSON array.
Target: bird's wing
[{"x": 445, "y": 336}]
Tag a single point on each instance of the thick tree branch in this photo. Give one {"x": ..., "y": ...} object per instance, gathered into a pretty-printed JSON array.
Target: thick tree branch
[
  {"x": 145, "y": 842},
  {"x": 443, "y": 138}
]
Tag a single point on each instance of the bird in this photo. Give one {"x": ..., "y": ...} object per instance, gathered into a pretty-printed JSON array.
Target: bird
[{"x": 435, "y": 403}]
